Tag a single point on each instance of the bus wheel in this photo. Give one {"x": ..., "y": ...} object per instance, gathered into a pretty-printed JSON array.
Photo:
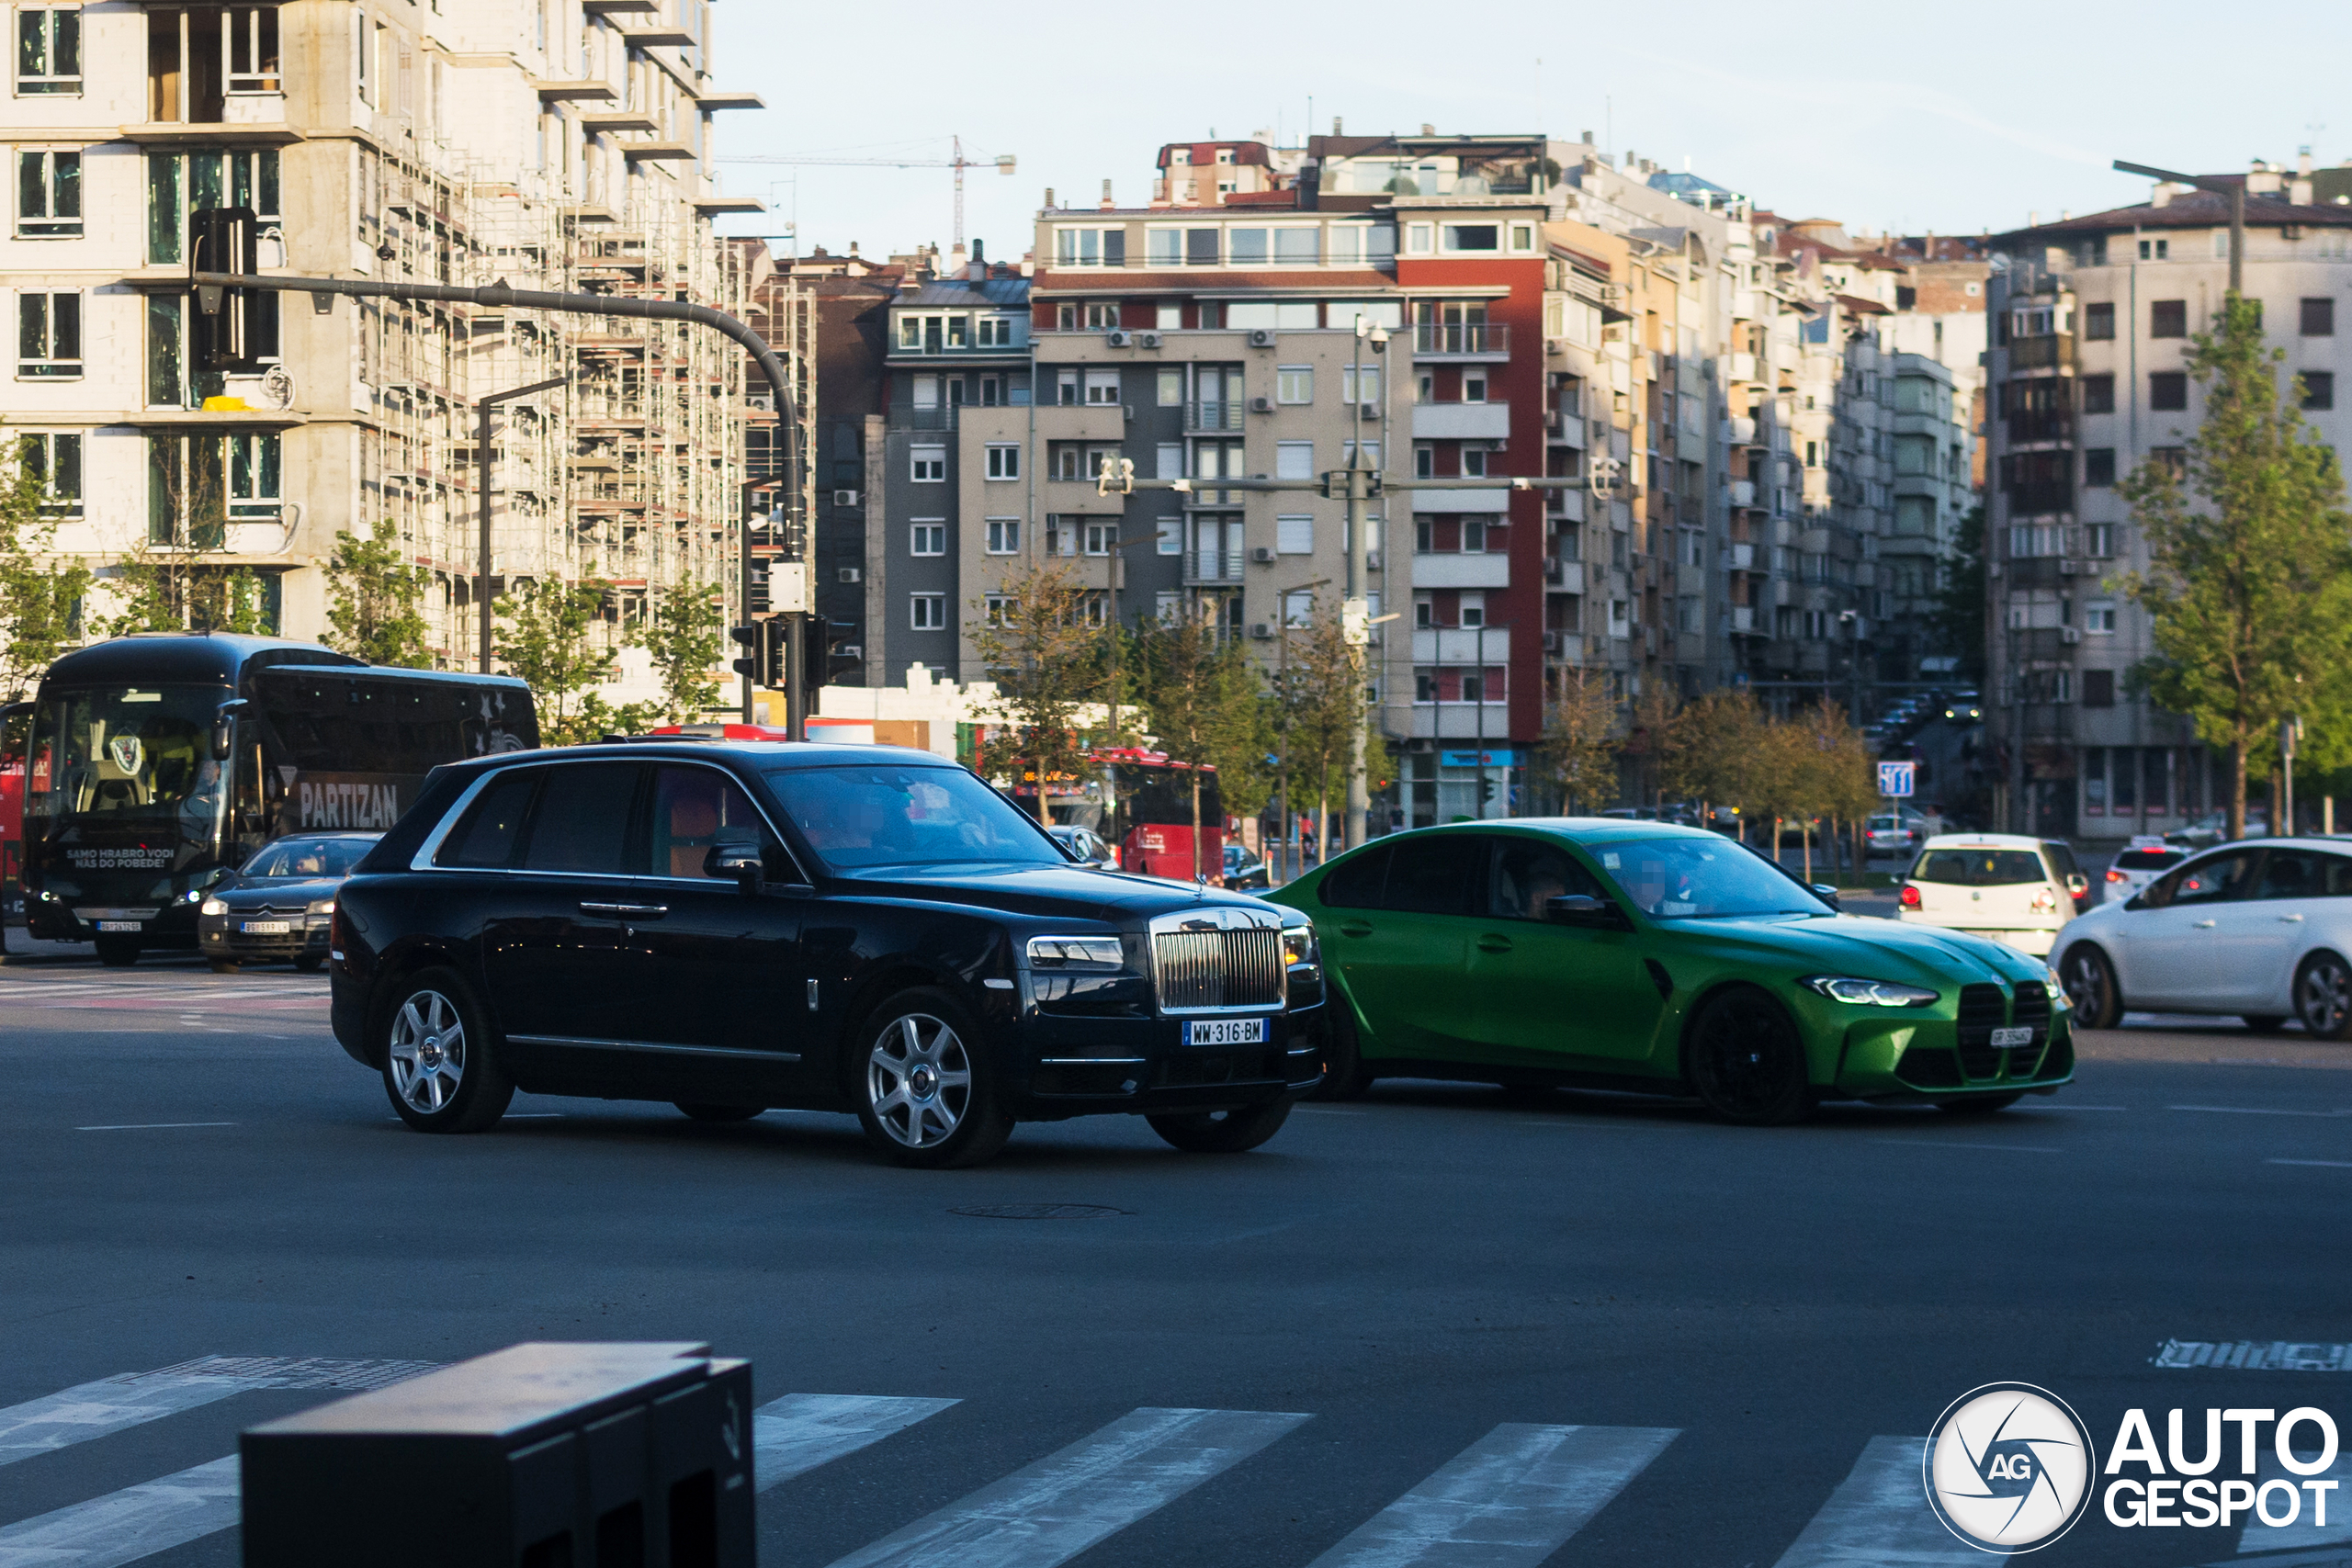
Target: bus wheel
[{"x": 117, "y": 952}]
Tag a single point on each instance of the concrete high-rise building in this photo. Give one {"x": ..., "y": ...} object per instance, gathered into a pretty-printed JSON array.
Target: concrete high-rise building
[{"x": 552, "y": 143}]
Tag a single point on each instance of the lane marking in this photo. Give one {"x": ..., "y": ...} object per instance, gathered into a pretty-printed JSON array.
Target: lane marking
[
  {"x": 2330, "y": 1164},
  {"x": 1509, "y": 1500},
  {"x": 2260, "y": 1110},
  {"x": 2255, "y": 1355},
  {"x": 1946, "y": 1144},
  {"x": 1048, "y": 1512},
  {"x": 112, "y": 1404},
  {"x": 149, "y": 1126},
  {"x": 2067, "y": 1105},
  {"x": 125, "y": 1526},
  {"x": 1877, "y": 1516},
  {"x": 796, "y": 1434}
]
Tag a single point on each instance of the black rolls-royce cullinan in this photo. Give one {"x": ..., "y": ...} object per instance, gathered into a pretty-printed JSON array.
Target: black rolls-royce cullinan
[{"x": 737, "y": 926}]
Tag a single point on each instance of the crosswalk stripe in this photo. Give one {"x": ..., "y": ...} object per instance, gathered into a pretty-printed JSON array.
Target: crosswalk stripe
[
  {"x": 113, "y": 1405},
  {"x": 125, "y": 1526},
  {"x": 1509, "y": 1500},
  {"x": 1879, "y": 1518},
  {"x": 796, "y": 1434},
  {"x": 1052, "y": 1510}
]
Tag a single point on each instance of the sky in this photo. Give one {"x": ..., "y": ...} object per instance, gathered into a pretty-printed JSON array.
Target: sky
[{"x": 1952, "y": 117}]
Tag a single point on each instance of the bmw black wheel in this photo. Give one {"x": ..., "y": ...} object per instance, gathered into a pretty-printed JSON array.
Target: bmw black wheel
[{"x": 1746, "y": 1061}]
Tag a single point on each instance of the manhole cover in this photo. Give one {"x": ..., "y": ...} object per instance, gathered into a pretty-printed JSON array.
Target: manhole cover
[{"x": 1038, "y": 1211}]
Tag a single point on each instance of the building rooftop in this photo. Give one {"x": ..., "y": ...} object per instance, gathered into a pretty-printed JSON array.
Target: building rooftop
[{"x": 2187, "y": 209}]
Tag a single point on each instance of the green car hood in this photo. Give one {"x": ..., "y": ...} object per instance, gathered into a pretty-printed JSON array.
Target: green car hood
[{"x": 1865, "y": 949}]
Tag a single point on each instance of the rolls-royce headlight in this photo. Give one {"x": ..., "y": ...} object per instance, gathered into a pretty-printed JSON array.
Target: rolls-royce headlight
[
  {"x": 1300, "y": 946},
  {"x": 1073, "y": 955}
]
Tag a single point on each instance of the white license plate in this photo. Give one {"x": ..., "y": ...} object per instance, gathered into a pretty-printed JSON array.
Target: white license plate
[
  {"x": 2017, "y": 1035},
  {"x": 121, "y": 926},
  {"x": 1224, "y": 1031},
  {"x": 266, "y": 928}
]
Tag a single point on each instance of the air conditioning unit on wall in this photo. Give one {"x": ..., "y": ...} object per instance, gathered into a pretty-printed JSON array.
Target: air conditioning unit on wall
[
  {"x": 1262, "y": 555},
  {"x": 1261, "y": 337},
  {"x": 1147, "y": 340},
  {"x": 1261, "y": 405},
  {"x": 1122, "y": 340},
  {"x": 1262, "y": 631},
  {"x": 853, "y": 574},
  {"x": 844, "y": 498}
]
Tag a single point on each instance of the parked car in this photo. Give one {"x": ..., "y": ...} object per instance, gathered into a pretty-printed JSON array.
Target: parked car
[
  {"x": 2007, "y": 887},
  {"x": 2140, "y": 863},
  {"x": 1894, "y": 832},
  {"x": 1086, "y": 847},
  {"x": 2262, "y": 930},
  {"x": 736, "y": 925},
  {"x": 2213, "y": 827},
  {"x": 1245, "y": 869},
  {"x": 276, "y": 907},
  {"x": 1640, "y": 955}
]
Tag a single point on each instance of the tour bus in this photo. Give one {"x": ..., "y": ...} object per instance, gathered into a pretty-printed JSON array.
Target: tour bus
[{"x": 157, "y": 763}]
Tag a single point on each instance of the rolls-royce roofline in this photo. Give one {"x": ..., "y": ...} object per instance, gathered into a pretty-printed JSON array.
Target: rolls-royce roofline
[{"x": 760, "y": 754}]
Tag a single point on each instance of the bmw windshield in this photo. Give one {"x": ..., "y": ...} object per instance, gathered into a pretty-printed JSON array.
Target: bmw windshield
[{"x": 1687, "y": 879}]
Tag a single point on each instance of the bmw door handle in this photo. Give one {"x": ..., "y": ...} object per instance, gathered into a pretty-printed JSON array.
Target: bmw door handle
[
  {"x": 1355, "y": 927},
  {"x": 1490, "y": 942},
  {"x": 2204, "y": 925},
  {"x": 625, "y": 911}
]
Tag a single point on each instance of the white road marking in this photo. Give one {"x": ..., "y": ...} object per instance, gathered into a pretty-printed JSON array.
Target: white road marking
[
  {"x": 1509, "y": 1500},
  {"x": 149, "y": 1126},
  {"x": 2067, "y": 1105},
  {"x": 2260, "y": 1110},
  {"x": 2330, "y": 1164},
  {"x": 797, "y": 1433},
  {"x": 2255, "y": 1356},
  {"x": 125, "y": 1526},
  {"x": 1879, "y": 1517},
  {"x": 1946, "y": 1144},
  {"x": 93, "y": 1409},
  {"x": 1050, "y": 1511}
]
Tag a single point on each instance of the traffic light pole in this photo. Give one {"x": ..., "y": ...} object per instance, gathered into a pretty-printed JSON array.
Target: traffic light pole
[
  {"x": 481, "y": 485},
  {"x": 743, "y": 594}
]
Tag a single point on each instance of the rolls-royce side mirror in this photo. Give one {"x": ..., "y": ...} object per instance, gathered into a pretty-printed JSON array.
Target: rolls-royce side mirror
[{"x": 741, "y": 862}]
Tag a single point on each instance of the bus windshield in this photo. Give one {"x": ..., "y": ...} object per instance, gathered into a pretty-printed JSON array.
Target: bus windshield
[{"x": 133, "y": 755}]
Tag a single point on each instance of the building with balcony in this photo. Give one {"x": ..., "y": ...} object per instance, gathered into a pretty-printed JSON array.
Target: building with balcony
[
  {"x": 2091, "y": 318},
  {"x": 560, "y": 146}
]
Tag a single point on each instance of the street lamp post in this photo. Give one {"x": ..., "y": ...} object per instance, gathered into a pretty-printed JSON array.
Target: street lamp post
[
  {"x": 1358, "y": 609},
  {"x": 792, "y": 703},
  {"x": 2234, "y": 189},
  {"x": 1282, "y": 681},
  {"x": 481, "y": 487}
]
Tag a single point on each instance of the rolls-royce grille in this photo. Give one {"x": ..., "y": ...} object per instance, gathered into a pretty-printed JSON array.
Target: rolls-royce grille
[{"x": 1200, "y": 970}]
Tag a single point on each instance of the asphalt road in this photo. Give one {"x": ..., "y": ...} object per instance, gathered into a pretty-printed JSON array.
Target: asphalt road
[{"x": 1732, "y": 1318}]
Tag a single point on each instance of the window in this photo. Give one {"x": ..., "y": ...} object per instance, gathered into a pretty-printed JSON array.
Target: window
[
  {"x": 49, "y": 50},
  {"x": 1470, "y": 613},
  {"x": 1164, "y": 247},
  {"x": 2099, "y": 323},
  {"x": 929, "y": 463},
  {"x": 49, "y": 194},
  {"x": 1245, "y": 246},
  {"x": 1295, "y": 384},
  {"x": 1522, "y": 236},
  {"x": 581, "y": 822},
  {"x": 1294, "y": 460},
  {"x": 2168, "y": 390},
  {"x": 1474, "y": 386},
  {"x": 1294, "y": 534},
  {"x": 1168, "y": 460},
  {"x": 929, "y": 539},
  {"x": 48, "y": 335},
  {"x": 178, "y": 183},
  {"x": 193, "y": 52},
  {"x": 2172, "y": 460},
  {"x": 927, "y": 611},
  {"x": 2099, "y": 394},
  {"x": 995, "y": 332},
  {"x": 1004, "y": 462},
  {"x": 2155, "y": 250},
  {"x": 1199, "y": 248},
  {"x": 1473, "y": 237},
  {"x": 1210, "y": 315},
  {"x": 1102, "y": 318},
  {"x": 1101, "y": 538},
  {"x": 1417, "y": 239},
  {"x": 1066, "y": 385},
  {"x": 2319, "y": 388},
  {"x": 1474, "y": 536},
  {"x": 2168, "y": 318},
  {"x": 2098, "y": 617},
  {"x": 1102, "y": 388},
  {"x": 1090, "y": 247},
  {"x": 2099, "y": 466},
  {"x": 1297, "y": 247},
  {"x": 1367, "y": 378},
  {"x": 1004, "y": 535},
  {"x": 2099, "y": 540},
  {"x": 1172, "y": 539},
  {"x": 53, "y": 462},
  {"x": 1424, "y": 460},
  {"x": 2319, "y": 317}
]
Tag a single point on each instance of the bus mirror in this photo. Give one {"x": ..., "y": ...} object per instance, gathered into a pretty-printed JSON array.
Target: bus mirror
[{"x": 224, "y": 728}]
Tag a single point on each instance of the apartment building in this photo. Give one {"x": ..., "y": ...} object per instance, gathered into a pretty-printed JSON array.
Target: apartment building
[
  {"x": 558, "y": 145},
  {"x": 2091, "y": 317}
]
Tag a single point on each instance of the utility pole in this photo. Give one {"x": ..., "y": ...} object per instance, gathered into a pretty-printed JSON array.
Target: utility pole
[
  {"x": 743, "y": 594},
  {"x": 482, "y": 486},
  {"x": 1282, "y": 682},
  {"x": 1355, "y": 615},
  {"x": 2233, "y": 189}
]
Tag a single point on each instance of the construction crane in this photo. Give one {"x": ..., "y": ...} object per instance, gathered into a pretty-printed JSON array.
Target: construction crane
[{"x": 1002, "y": 161}]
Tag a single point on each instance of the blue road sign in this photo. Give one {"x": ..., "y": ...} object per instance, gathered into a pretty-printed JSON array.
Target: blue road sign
[{"x": 1897, "y": 780}]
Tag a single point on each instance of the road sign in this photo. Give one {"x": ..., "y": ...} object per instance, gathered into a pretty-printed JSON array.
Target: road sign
[{"x": 1896, "y": 780}]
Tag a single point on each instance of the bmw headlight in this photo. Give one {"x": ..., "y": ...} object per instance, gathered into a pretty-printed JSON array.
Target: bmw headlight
[
  {"x": 1869, "y": 993},
  {"x": 322, "y": 905},
  {"x": 1076, "y": 954},
  {"x": 213, "y": 907},
  {"x": 1300, "y": 946}
]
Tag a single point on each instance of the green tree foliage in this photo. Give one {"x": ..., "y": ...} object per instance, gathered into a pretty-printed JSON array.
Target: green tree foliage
[
  {"x": 1206, "y": 706},
  {"x": 163, "y": 591},
  {"x": 1577, "y": 758},
  {"x": 2250, "y": 573},
  {"x": 40, "y": 598},
  {"x": 1319, "y": 708},
  {"x": 1046, "y": 661},
  {"x": 551, "y": 644},
  {"x": 683, "y": 636},
  {"x": 373, "y": 598},
  {"x": 1712, "y": 749}
]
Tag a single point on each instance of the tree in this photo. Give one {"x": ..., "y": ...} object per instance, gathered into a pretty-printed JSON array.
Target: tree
[
  {"x": 1712, "y": 749},
  {"x": 40, "y": 599},
  {"x": 1207, "y": 707},
  {"x": 1957, "y": 622},
  {"x": 683, "y": 638},
  {"x": 1576, "y": 756},
  {"x": 1320, "y": 707},
  {"x": 1649, "y": 721},
  {"x": 373, "y": 594},
  {"x": 1035, "y": 637},
  {"x": 161, "y": 590},
  {"x": 551, "y": 645},
  {"x": 2251, "y": 591}
]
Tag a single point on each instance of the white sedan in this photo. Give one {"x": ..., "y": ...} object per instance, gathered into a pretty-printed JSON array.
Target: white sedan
[{"x": 2260, "y": 929}]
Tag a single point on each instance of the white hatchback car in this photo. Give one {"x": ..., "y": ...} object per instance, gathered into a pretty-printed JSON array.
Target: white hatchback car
[
  {"x": 2012, "y": 888},
  {"x": 2140, "y": 863},
  {"x": 2261, "y": 929}
]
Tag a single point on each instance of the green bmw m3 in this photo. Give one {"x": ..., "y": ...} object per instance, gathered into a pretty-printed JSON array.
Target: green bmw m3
[{"x": 1640, "y": 955}]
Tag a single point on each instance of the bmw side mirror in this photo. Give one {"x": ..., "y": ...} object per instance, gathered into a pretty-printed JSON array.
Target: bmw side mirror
[
  {"x": 740, "y": 862},
  {"x": 1826, "y": 894},
  {"x": 1583, "y": 911}
]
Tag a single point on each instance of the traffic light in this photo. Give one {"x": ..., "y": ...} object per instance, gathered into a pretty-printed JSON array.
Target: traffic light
[
  {"x": 749, "y": 637},
  {"x": 838, "y": 664},
  {"x": 224, "y": 239},
  {"x": 765, "y": 663},
  {"x": 1486, "y": 789}
]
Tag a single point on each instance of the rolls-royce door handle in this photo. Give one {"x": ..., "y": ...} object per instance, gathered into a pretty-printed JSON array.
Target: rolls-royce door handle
[
  {"x": 626, "y": 911},
  {"x": 1355, "y": 927},
  {"x": 2292, "y": 919},
  {"x": 1493, "y": 943},
  {"x": 2204, "y": 925}
]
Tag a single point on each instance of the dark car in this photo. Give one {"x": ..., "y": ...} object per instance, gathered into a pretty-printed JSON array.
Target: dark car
[
  {"x": 1085, "y": 847},
  {"x": 280, "y": 904},
  {"x": 732, "y": 926},
  {"x": 1245, "y": 868}
]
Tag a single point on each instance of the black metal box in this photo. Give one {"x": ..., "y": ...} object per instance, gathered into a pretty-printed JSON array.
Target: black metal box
[{"x": 537, "y": 1456}]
